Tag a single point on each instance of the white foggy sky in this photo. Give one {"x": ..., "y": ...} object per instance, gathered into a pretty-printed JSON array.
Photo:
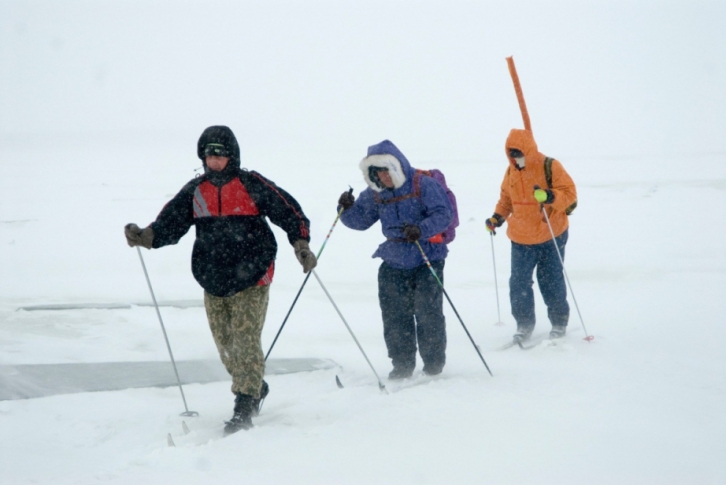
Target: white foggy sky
[{"x": 606, "y": 79}]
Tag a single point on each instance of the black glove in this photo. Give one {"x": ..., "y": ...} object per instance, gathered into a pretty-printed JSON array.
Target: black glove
[
  {"x": 135, "y": 236},
  {"x": 347, "y": 199},
  {"x": 493, "y": 222},
  {"x": 411, "y": 233},
  {"x": 543, "y": 196}
]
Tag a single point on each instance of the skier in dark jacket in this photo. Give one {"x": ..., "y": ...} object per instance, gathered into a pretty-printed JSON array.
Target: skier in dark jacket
[
  {"x": 233, "y": 257},
  {"x": 412, "y": 208}
]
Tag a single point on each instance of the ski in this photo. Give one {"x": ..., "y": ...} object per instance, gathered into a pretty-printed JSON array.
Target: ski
[
  {"x": 527, "y": 344},
  {"x": 198, "y": 436},
  {"x": 508, "y": 345},
  {"x": 341, "y": 386},
  {"x": 417, "y": 379},
  {"x": 527, "y": 347},
  {"x": 170, "y": 440}
]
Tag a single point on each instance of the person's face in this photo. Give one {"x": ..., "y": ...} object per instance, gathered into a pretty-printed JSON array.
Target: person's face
[
  {"x": 216, "y": 163},
  {"x": 518, "y": 157},
  {"x": 385, "y": 178}
]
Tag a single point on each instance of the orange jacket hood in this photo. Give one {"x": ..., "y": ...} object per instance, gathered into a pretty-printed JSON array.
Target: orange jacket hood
[{"x": 523, "y": 140}]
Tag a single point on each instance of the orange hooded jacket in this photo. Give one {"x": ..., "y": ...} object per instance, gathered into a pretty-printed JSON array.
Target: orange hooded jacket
[{"x": 525, "y": 222}]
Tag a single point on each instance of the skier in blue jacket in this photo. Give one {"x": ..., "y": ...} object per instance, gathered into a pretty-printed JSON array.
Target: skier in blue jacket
[{"x": 412, "y": 208}]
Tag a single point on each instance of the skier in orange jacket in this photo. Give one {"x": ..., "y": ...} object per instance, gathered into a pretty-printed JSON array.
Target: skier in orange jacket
[{"x": 533, "y": 183}]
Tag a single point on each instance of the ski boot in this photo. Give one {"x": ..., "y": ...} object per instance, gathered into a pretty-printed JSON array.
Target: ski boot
[
  {"x": 558, "y": 331},
  {"x": 242, "y": 418},
  {"x": 400, "y": 372},
  {"x": 433, "y": 369},
  {"x": 523, "y": 333}
]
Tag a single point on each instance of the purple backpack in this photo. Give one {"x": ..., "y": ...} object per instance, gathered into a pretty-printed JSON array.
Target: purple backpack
[{"x": 450, "y": 232}]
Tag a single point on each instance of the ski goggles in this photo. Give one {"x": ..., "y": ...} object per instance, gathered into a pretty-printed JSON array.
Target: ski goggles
[
  {"x": 216, "y": 149},
  {"x": 515, "y": 153}
]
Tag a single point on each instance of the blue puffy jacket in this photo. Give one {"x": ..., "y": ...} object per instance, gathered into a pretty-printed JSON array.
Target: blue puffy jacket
[{"x": 431, "y": 211}]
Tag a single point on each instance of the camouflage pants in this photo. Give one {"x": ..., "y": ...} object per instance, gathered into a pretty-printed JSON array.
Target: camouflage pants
[{"x": 236, "y": 322}]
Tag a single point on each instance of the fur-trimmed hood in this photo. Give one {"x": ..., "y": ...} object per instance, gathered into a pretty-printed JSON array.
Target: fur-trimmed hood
[
  {"x": 428, "y": 208},
  {"x": 386, "y": 155}
]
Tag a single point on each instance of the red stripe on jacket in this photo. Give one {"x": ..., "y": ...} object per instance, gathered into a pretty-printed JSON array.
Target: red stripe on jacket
[{"x": 304, "y": 232}]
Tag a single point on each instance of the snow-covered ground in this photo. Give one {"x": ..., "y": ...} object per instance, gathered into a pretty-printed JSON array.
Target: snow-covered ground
[{"x": 100, "y": 109}]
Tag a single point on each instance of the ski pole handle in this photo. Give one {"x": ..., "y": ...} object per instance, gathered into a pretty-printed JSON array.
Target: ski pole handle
[{"x": 340, "y": 213}]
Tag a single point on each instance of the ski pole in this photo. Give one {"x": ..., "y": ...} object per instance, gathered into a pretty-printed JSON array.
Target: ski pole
[
  {"x": 588, "y": 337},
  {"x": 299, "y": 292},
  {"x": 187, "y": 412},
  {"x": 380, "y": 384},
  {"x": 433, "y": 272},
  {"x": 340, "y": 212},
  {"x": 496, "y": 285}
]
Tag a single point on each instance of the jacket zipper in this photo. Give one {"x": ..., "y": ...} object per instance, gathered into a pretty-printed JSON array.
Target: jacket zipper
[
  {"x": 521, "y": 182},
  {"x": 524, "y": 194},
  {"x": 219, "y": 201}
]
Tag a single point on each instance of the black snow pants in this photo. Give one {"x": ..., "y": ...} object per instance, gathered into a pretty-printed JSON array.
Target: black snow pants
[{"x": 412, "y": 307}]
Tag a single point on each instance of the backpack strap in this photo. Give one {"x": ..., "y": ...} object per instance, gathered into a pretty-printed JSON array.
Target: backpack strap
[
  {"x": 548, "y": 175},
  {"x": 548, "y": 171},
  {"x": 415, "y": 193}
]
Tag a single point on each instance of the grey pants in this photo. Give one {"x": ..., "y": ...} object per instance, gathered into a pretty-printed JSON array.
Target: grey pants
[{"x": 236, "y": 322}]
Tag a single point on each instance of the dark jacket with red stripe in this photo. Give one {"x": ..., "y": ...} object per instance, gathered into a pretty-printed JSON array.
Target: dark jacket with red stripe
[{"x": 235, "y": 246}]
